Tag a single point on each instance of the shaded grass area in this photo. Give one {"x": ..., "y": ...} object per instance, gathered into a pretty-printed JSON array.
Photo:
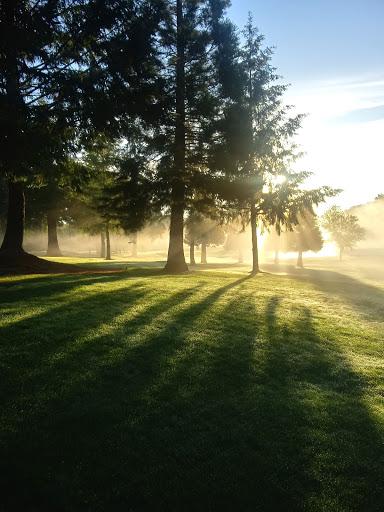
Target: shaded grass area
[{"x": 143, "y": 392}]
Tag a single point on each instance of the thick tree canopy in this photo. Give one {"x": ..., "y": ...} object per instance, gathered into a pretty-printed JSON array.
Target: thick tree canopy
[
  {"x": 69, "y": 69},
  {"x": 201, "y": 116}
]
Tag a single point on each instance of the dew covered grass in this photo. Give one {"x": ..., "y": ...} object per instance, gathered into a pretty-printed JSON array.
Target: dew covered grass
[{"x": 209, "y": 391}]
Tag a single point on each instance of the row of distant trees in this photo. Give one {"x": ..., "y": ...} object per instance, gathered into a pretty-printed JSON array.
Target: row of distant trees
[
  {"x": 45, "y": 213},
  {"x": 124, "y": 112},
  {"x": 342, "y": 227}
]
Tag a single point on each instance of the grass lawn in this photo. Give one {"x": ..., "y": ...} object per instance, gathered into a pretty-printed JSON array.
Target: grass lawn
[{"x": 210, "y": 391}]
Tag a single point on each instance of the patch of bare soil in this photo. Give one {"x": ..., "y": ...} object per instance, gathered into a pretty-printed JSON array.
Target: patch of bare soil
[{"x": 22, "y": 263}]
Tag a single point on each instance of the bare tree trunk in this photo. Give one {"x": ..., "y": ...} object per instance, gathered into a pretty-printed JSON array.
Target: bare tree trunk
[
  {"x": 255, "y": 254},
  {"x": 102, "y": 245},
  {"x": 203, "y": 252},
  {"x": 134, "y": 245},
  {"x": 108, "y": 242},
  {"x": 300, "y": 259},
  {"x": 241, "y": 256},
  {"x": 53, "y": 243},
  {"x": 176, "y": 260},
  {"x": 192, "y": 252},
  {"x": 14, "y": 232}
]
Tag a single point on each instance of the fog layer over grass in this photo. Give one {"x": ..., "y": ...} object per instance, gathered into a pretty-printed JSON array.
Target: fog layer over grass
[{"x": 371, "y": 216}]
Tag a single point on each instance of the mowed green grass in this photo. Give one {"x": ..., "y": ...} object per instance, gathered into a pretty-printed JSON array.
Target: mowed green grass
[{"x": 210, "y": 391}]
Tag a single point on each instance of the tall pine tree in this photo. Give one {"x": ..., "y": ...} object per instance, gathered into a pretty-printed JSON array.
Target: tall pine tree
[
  {"x": 197, "y": 45},
  {"x": 68, "y": 70},
  {"x": 255, "y": 150}
]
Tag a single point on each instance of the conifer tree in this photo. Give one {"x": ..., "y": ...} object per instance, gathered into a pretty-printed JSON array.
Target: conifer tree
[
  {"x": 197, "y": 42},
  {"x": 53, "y": 197},
  {"x": 37, "y": 42},
  {"x": 69, "y": 69},
  {"x": 256, "y": 150}
]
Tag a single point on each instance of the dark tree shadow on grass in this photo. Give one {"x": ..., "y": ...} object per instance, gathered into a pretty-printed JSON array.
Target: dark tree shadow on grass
[
  {"x": 85, "y": 375},
  {"x": 323, "y": 416},
  {"x": 269, "y": 420},
  {"x": 47, "y": 350},
  {"x": 46, "y": 286},
  {"x": 34, "y": 291},
  {"x": 206, "y": 411},
  {"x": 272, "y": 425}
]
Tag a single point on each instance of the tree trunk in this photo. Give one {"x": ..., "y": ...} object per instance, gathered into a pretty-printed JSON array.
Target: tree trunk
[
  {"x": 176, "y": 260},
  {"x": 255, "y": 254},
  {"x": 134, "y": 245},
  {"x": 108, "y": 242},
  {"x": 14, "y": 232},
  {"x": 53, "y": 243},
  {"x": 192, "y": 252},
  {"x": 277, "y": 260},
  {"x": 341, "y": 254},
  {"x": 203, "y": 252},
  {"x": 241, "y": 256},
  {"x": 102, "y": 245},
  {"x": 300, "y": 260},
  {"x": 3, "y": 225}
]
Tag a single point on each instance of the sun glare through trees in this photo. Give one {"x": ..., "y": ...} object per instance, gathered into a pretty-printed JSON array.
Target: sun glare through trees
[{"x": 189, "y": 321}]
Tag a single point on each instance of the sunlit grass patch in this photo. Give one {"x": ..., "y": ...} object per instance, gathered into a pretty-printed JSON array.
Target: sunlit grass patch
[
  {"x": 146, "y": 260},
  {"x": 209, "y": 391}
]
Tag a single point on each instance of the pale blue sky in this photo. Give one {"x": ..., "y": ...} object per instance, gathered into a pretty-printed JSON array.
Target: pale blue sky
[
  {"x": 317, "y": 39},
  {"x": 332, "y": 54}
]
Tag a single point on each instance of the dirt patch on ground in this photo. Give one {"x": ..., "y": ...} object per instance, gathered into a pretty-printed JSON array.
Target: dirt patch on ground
[{"x": 22, "y": 263}]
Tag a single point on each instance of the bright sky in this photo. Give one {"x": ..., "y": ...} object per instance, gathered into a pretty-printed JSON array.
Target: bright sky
[{"x": 332, "y": 54}]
